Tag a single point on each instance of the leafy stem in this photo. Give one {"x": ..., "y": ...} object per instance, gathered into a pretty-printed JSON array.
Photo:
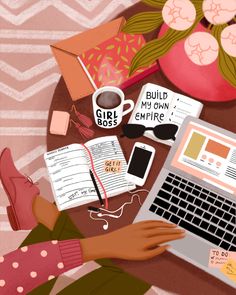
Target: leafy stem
[
  {"x": 226, "y": 63},
  {"x": 154, "y": 49}
]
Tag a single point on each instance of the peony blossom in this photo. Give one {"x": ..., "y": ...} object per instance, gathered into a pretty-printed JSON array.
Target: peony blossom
[
  {"x": 179, "y": 14},
  {"x": 219, "y": 11},
  {"x": 201, "y": 48},
  {"x": 228, "y": 40}
]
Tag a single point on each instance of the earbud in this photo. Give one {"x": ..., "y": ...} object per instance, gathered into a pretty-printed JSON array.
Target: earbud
[
  {"x": 105, "y": 226},
  {"x": 98, "y": 211}
]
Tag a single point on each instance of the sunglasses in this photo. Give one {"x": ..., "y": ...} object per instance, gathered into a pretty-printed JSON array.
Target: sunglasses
[{"x": 163, "y": 131}]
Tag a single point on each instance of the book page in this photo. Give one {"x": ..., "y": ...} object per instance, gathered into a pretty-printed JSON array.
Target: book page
[
  {"x": 181, "y": 107},
  {"x": 70, "y": 179},
  {"x": 152, "y": 105},
  {"x": 108, "y": 148}
]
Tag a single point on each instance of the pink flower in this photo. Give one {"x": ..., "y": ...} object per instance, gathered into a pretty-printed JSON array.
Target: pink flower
[
  {"x": 201, "y": 48},
  {"x": 219, "y": 11},
  {"x": 228, "y": 40},
  {"x": 179, "y": 14}
]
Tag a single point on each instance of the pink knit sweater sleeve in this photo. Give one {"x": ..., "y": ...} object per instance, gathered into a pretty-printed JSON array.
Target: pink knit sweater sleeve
[{"x": 28, "y": 267}]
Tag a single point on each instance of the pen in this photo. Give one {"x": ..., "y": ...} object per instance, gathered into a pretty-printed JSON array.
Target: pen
[
  {"x": 96, "y": 187},
  {"x": 93, "y": 209}
]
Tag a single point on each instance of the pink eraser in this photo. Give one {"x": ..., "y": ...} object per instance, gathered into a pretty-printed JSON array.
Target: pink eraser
[{"x": 59, "y": 122}]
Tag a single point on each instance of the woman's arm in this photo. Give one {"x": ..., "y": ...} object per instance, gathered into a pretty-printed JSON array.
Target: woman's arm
[
  {"x": 28, "y": 267},
  {"x": 138, "y": 241}
]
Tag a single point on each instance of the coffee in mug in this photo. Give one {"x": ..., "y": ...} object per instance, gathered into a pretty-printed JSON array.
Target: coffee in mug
[
  {"x": 108, "y": 100},
  {"x": 108, "y": 103}
]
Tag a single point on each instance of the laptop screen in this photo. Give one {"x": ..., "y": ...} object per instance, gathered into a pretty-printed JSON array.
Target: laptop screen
[{"x": 208, "y": 155}]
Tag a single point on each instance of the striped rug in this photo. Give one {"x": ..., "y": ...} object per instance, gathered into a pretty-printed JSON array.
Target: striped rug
[{"x": 29, "y": 75}]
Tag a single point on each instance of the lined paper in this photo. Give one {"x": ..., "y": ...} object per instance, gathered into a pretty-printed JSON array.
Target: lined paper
[
  {"x": 68, "y": 168},
  {"x": 181, "y": 107},
  {"x": 103, "y": 149},
  {"x": 69, "y": 173}
]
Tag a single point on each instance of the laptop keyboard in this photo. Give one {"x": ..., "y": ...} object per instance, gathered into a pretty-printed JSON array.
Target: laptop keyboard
[{"x": 198, "y": 210}]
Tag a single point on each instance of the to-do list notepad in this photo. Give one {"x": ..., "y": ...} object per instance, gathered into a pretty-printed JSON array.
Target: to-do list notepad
[
  {"x": 69, "y": 166},
  {"x": 158, "y": 105}
]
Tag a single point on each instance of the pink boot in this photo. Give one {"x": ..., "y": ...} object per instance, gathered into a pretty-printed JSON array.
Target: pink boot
[{"x": 21, "y": 192}]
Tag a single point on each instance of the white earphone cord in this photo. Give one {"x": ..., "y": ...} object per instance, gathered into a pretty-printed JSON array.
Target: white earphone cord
[
  {"x": 111, "y": 213},
  {"x": 119, "y": 209}
]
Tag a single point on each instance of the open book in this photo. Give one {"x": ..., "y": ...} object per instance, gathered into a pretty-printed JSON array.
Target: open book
[
  {"x": 158, "y": 105},
  {"x": 69, "y": 166}
]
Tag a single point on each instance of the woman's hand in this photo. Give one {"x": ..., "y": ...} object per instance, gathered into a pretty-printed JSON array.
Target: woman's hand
[{"x": 138, "y": 241}]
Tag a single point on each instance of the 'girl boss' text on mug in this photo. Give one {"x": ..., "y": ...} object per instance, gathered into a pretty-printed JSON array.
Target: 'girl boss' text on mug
[
  {"x": 106, "y": 119},
  {"x": 108, "y": 103}
]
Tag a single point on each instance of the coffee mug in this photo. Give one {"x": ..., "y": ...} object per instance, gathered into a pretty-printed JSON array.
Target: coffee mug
[{"x": 108, "y": 103}]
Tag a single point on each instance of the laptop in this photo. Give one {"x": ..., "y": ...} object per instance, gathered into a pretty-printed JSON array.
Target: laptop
[{"x": 196, "y": 189}]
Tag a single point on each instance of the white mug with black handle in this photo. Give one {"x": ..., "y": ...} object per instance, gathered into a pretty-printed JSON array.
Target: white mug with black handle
[{"x": 108, "y": 103}]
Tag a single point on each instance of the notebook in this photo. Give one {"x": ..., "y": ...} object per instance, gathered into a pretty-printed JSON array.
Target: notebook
[
  {"x": 159, "y": 105},
  {"x": 68, "y": 168}
]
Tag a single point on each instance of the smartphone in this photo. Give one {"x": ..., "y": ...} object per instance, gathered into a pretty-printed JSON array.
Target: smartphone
[{"x": 140, "y": 163}]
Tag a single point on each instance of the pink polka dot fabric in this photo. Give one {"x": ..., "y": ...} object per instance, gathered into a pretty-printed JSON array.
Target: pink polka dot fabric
[{"x": 28, "y": 267}]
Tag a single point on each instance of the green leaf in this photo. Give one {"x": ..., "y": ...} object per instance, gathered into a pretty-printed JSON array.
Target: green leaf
[
  {"x": 155, "y": 3},
  {"x": 197, "y": 4},
  {"x": 142, "y": 23},
  {"x": 226, "y": 63},
  {"x": 151, "y": 51},
  {"x": 161, "y": 3},
  {"x": 154, "y": 49}
]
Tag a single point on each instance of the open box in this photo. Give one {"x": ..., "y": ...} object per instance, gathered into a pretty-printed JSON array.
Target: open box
[{"x": 99, "y": 57}]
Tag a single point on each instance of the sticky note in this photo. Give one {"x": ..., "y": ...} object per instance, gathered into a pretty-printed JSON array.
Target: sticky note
[
  {"x": 112, "y": 166},
  {"x": 229, "y": 269},
  {"x": 218, "y": 257},
  {"x": 59, "y": 122}
]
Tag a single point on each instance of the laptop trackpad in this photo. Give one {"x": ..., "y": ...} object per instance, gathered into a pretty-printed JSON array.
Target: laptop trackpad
[
  {"x": 193, "y": 248},
  {"x": 196, "y": 252}
]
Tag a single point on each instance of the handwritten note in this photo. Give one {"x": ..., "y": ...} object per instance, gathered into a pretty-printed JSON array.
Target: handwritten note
[
  {"x": 229, "y": 269},
  {"x": 69, "y": 172},
  {"x": 108, "y": 148},
  {"x": 113, "y": 166},
  {"x": 218, "y": 257}
]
